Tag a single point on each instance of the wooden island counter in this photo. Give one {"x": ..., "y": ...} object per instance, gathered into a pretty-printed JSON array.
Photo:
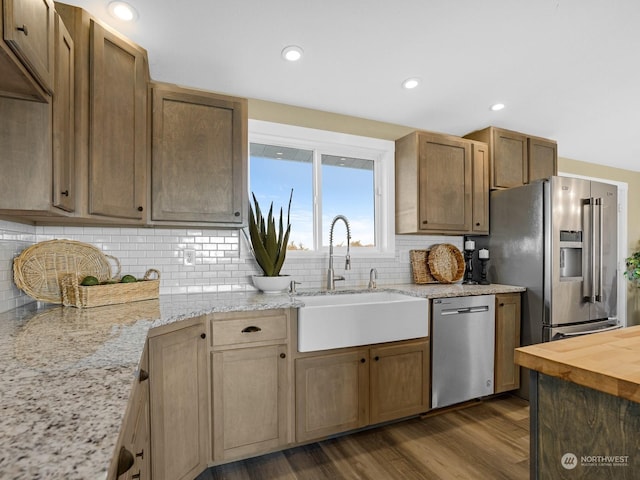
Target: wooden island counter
[{"x": 585, "y": 406}]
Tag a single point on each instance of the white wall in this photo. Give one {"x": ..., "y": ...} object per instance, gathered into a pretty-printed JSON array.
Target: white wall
[{"x": 223, "y": 261}]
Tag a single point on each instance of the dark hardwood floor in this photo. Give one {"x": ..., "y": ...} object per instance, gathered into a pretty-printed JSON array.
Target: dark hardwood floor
[{"x": 485, "y": 441}]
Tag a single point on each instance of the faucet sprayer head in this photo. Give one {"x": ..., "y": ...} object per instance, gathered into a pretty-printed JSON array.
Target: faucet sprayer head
[{"x": 347, "y": 262}]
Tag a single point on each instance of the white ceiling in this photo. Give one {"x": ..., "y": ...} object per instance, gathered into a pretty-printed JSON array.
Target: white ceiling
[{"x": 566, "y": 69}]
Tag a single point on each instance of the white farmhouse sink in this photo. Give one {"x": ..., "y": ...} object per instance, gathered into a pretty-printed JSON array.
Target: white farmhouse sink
[{"x": 352, "y": 319}]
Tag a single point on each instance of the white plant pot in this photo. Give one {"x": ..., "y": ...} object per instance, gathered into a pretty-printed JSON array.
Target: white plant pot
[{"x": 272, "y": 285}]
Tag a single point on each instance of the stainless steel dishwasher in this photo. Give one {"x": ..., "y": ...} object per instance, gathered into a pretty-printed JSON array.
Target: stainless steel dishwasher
[{"x": 462, "y": 346}]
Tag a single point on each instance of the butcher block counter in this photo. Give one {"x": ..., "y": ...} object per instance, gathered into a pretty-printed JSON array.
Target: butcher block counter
[{"x": 585, "y": 406}]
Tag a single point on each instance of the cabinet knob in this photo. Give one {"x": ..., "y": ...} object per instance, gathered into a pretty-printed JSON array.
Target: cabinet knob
[
  {"x": 140, "y": 454},
  {"x": 136, "y": 475},
  {"x": 501, "y": 305},
  {"x": 140, "y": 208},
  {"x": 477, "y": 224},
  {"x": 376, "y": 358},
  {"x": 143, "y": 375},
  {"x": 363, "y": 360},
  {"x": 203, "y": 335},
  {"x": 24, "y": 30},
  {"x": 65, "y": 193},
  {"x": 237, "y": 214},
  {"x": 283, "y": 355},
  {"x": 424, "y": 222}
]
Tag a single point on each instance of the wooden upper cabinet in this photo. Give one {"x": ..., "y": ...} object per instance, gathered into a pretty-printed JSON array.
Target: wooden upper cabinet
[
  {"x": 27, "y": 52},
  {"x": 435, "y": 184},
  {"x": 480, "y": 207},
  {"x": 199, "y": 157},
  {"x": 64, "y": 189},
  {"x": 516, "y": 158},
  {"x": 117, "y": 124},
  {"x": 543, "y": 158}
]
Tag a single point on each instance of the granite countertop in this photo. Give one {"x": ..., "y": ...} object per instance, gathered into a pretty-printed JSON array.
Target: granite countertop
[
  {"x": 66, "y": 373},
  {"x": 608, "y": 362}
]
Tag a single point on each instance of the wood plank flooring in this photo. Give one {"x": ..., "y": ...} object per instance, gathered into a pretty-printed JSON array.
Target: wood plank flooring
[{"x": 488, "y": 440}]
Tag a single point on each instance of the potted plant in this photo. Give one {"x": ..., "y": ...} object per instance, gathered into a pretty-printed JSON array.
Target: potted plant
[
  {"x": 633, "y": 268},
  {"x": 269, "y": 246}
]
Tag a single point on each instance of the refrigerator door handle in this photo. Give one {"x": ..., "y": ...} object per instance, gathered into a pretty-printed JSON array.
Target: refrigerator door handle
[
  {"x": 590, "y": 295},
  {"x": 598, "y": 297}
]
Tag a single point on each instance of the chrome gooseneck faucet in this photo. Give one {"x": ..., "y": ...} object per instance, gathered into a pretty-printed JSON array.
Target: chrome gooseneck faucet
[{"x": 331, "y": 278}]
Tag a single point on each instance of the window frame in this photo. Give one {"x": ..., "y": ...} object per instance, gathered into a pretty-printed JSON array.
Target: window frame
[{"x": 324, "y": 142}]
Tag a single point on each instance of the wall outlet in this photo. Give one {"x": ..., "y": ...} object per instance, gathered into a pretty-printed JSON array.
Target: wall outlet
[{"x": 189, "y": 256}]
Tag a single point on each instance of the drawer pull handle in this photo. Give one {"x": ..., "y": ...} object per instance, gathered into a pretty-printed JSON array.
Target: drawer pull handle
[{"x": 251, "y": 329}]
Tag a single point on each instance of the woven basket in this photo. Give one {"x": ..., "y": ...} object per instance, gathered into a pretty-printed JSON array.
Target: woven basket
[
  {"x": 446, "y": 263},
  {"x": 75, "y": 295},
  {"x": 38, "y": 270},
  {"x": 420, "y": 267}
]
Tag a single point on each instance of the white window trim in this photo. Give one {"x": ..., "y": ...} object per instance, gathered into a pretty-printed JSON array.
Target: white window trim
[{"x": 334, "y": 143}]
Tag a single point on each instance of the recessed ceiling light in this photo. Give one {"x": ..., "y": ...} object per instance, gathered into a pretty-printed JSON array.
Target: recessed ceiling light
[
  {"x": 122, "y": 11},
  {"x": 410, "y": 83},
  {"x": 292, "y": 53},
  {"x": 497, "y": 107}
]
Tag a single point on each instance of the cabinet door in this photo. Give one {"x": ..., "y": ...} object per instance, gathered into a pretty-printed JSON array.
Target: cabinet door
[
  {"x": 199, "y": 157},
  {"x": 29, "y": 31},
  {"x": 117, "y": 159},
  {"x": 63, "y": 121},
  {"x": 543, "y": 158},
  {"x": 445, "y": 183},
  {"x": 399, "y": 381},
  {"x": 25, "y": 155},
  {"x": 480, "y": 221},
  {"x": 250, "y": 401},
  {"x": 509, "y": 159},
  {"x": 507, "y": 373},
  {"x": 332, "y": 394},
  {"x": 179, "y": 404}
]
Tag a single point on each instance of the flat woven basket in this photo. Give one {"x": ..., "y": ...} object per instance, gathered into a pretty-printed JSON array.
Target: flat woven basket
[
  {"x": 446, "y": 263},
  {"x": 38, "y": 270},
  {"x": 420, "y": 267},
  {"x": 75, "y": 295}
]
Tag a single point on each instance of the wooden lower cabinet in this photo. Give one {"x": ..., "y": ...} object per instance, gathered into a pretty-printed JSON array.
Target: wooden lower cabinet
[
  {"x": 332, "y": 394},
  {"x": 338, "y": 392},
  {"x": 133, "y": 453},
  {"x": 399, "y": 376},
  {"x": 507, "y": 373},
  {"x": 250, "y": 401},
  {"x": 178, "y": 383}
]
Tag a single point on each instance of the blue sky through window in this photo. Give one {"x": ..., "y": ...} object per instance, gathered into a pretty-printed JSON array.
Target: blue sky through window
[{"x": 345, "y": 190}]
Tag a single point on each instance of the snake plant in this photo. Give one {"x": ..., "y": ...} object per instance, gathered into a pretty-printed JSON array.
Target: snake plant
[{"x": 269, "y": 245}]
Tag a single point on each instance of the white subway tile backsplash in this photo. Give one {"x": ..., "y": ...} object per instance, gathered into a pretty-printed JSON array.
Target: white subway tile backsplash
[{"x": 223, "y": 260}]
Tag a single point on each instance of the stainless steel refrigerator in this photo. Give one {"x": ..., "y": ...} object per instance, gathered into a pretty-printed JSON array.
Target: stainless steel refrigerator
[{"x": 558, "y": 238}]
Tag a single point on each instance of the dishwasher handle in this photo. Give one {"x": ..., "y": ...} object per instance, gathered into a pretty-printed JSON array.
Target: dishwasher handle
[{"x": 462, "y": 311}]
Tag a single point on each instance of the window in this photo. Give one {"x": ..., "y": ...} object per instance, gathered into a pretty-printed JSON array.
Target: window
[{"x": 330, "y": 174}]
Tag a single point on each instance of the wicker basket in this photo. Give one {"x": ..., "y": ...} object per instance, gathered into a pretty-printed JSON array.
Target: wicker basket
[
  {"x": 420, "y": 267},
  {"x": 75, "y": 295},
  {"x": 38, "y": 270},
  {"x": 446, "y": 263}
]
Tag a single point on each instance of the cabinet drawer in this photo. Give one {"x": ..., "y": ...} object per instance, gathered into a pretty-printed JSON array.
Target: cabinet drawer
[{"x": 249, "y": 328}]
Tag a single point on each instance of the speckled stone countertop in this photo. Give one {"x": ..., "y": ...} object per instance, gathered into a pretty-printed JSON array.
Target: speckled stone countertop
[{"x": 66, "y": 373}]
